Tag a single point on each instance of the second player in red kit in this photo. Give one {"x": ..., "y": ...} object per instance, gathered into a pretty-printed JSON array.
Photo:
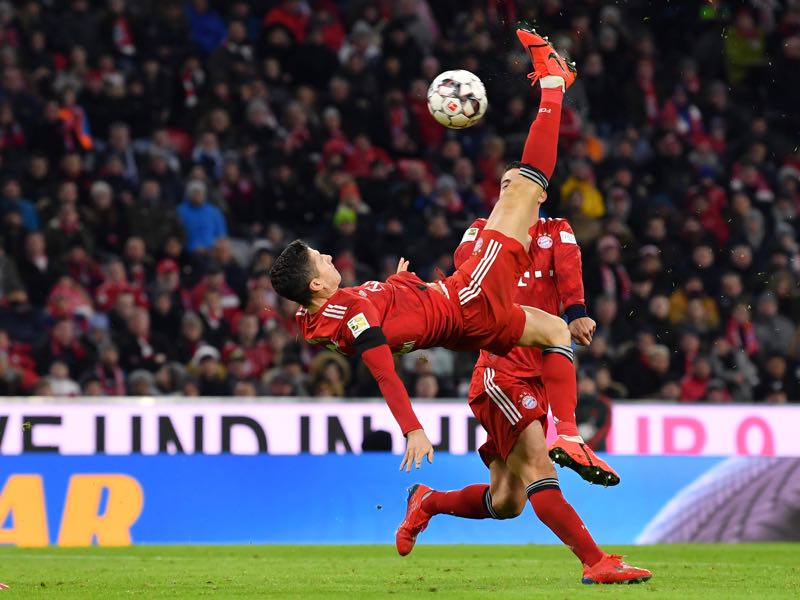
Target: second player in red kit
[{"x": 507, "y": 392}]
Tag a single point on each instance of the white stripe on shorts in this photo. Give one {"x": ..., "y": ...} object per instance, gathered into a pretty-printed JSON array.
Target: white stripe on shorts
[
  {"x": 474, "y": 287},
  {"x": 495, "y": 393}
]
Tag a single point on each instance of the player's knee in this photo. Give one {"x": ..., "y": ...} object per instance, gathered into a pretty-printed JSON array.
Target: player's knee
[
  {"x": 557, "y": 333},
  {"x": 508, "y": 506}
]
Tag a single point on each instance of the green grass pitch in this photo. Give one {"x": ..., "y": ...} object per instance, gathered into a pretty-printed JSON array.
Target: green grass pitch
[{"x": 355, "y": 572}]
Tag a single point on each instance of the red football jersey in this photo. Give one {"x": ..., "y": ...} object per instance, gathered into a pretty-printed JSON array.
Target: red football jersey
[
  {"x": 554, "y": 284},
  {"x": 411, "y": 315}
]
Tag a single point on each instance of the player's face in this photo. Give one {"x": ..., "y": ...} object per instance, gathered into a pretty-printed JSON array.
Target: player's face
[{"x": 327, "y": 275}]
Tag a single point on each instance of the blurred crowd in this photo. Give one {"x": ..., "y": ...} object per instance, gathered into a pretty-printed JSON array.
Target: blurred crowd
[{"x": 156, "y": 156}]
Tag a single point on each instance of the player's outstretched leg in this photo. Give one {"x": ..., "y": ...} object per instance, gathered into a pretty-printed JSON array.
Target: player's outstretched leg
[
  {"x": 528, "y": 460},
  {"x": 551, "y": 334},
  {"x": 512, "y": 213}
]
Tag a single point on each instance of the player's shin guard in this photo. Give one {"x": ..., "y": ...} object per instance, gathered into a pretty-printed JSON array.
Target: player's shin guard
[
  {"x": 554, "y": 511},
  {"x": 471, "y": 502},
  {"x": 558, "y": 375},
  {"x": 541, "y": 147}
]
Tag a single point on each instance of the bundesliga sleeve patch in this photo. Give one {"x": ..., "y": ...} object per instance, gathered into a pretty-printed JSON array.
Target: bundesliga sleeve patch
[
  {"x": 568, "y": 238},
  {"x": 470, "y": 235},
  {"x": 358, "y": 324}
]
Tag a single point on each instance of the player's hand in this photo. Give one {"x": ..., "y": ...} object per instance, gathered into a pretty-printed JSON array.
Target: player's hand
[
  {"x": 417, "y": 446},
  {"x": 402, "y": 265},
  {"x": 582, "y": 330}
]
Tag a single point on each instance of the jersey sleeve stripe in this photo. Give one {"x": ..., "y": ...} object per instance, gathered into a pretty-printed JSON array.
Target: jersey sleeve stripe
[
  {"x": 335, "y": 309},
  {"x": 332, "y": 315}
]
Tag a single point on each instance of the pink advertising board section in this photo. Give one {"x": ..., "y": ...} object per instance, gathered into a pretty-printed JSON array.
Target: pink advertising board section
[
  {"x": 218, "y": 427},
  {"x": 730, "y": 430}
]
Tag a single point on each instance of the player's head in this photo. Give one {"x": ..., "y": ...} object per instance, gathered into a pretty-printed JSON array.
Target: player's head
[
  {"x": 510, "y": 172},
  {"x": 300, "y": 273}
]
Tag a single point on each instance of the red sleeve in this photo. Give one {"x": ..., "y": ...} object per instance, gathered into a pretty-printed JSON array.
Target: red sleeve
[
  {"x": 464, "y": 249},
  {"x": 380, "y": 363},
  {"x": 363, "y": 325},
  {"x": 568, "y": 271}
]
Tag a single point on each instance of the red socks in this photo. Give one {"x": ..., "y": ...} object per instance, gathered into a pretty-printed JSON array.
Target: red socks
[
  {"x": 475, "y": 502},
  {"x": 541, "y": 146},
  {"x": 555, "y": 512},
  {"x": 558, "y": 375},
  {"x": 472, "y": 502}
]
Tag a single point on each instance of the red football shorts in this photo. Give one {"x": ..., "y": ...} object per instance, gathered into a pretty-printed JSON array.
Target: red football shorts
[
  {"x": 505, "y": 406},
  {"x": 486, "y": 284}
]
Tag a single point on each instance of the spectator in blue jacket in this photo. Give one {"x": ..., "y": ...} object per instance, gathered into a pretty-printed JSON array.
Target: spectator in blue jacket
[
  {"x": 206, "y": 26},
  {"x": 203, "y": 222},
  {"x": 13, "y": 200}
]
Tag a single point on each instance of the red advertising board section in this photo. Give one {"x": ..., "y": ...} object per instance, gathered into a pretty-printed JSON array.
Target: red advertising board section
[
  {"x": 188, "y": 426},
  {"x": 730, "y": 430}
]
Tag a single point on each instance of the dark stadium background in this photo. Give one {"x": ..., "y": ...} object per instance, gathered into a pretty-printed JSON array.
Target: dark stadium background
[{"x": 679, "y": 170}]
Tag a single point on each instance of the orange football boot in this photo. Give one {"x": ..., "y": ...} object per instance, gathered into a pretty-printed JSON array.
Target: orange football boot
[
  {"x": 415, "y": 522},
  {"x": 611, "y": 569},
  {"x": 545, "y": 59},
  {"x": 582, "y": 459}
]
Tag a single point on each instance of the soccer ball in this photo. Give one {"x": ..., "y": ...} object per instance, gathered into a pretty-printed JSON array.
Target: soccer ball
[{"x": 457, "y": 99}]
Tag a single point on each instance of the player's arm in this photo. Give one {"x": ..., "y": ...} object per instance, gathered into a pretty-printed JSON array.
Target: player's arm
[
  {"x": 370, "y": 344},
  {"x": 569, "y": 283},
  {"x": 467, "y": 244}
]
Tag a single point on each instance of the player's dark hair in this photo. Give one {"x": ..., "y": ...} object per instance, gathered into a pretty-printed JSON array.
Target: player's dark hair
[
  {"x": 514, "y": 164},
  {"x": 292, "y": 271}
]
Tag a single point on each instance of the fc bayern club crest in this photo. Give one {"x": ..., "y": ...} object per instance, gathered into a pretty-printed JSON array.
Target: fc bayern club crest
[
  {"x": 529, "y": 401},
  {"x": 478, "y": 245},
  {"x": 545, "y": 241}
]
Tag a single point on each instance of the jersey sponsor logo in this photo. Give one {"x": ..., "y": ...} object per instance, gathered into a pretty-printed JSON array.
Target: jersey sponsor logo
[
  {"x": 544, "y": 242},
  {"x": 358, "y": 324},
  {"x": 522, "y": 282},
  {"x": 528, "y": 401},
  {"x": 470, "y": 234},
  {"x": 568, "y": 238}
]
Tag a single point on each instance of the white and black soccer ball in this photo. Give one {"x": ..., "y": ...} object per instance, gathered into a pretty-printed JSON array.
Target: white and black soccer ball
[{"x": 457, "y": 99}]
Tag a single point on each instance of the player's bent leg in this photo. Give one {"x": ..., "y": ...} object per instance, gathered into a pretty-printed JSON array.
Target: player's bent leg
[
  {"x": 506, "y": 491},
  {"x": 543, "y": 330},
  {"x": 528, "y": 459}
]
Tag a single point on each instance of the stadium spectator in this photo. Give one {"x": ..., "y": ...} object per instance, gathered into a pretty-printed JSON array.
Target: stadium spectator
[
  {"x": 779, "y": 384},
  {"x": 203, "y": 222},
  {"x": 192, "y": 143},
  {"x": 212, "y": 378}
]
